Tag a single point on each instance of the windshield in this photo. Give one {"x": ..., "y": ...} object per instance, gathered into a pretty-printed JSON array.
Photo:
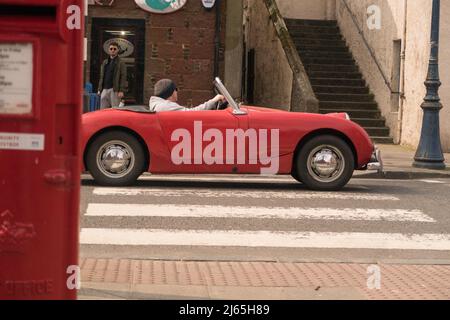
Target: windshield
[{"x": 223, "y": 91}]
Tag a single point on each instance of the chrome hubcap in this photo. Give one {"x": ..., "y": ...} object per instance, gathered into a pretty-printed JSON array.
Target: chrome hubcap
[
  {"x": 115, "y": 159},
  {"x": 326, "y": 163}
]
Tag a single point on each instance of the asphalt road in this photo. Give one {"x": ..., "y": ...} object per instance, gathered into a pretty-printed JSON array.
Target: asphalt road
[{"x": 267, "y": 219}]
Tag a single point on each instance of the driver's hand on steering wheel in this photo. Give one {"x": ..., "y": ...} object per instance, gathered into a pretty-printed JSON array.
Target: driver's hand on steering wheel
[{"x": 219, "y": 98}]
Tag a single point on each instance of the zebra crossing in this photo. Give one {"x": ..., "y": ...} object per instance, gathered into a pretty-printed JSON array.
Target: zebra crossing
[
  {"x": 209, "y": 211},
  {"x": 204, "y": 206}
]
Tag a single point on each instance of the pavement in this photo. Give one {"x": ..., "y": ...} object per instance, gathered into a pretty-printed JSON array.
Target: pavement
[
  {"x": 118, "y": 278},
  {"x": 398, "y": 162},
  {"x": 114, "y": 279}
]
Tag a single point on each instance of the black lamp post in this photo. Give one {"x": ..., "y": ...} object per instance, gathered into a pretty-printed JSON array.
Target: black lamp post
[{"x": 429, "y": 153}]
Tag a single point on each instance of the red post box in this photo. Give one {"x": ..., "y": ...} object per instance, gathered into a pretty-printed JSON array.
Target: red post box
[{"x": 41, "y": 63}]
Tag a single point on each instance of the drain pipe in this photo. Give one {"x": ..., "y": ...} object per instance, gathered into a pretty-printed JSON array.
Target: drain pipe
[
  {"x": 402, "y": 79},
  {"x": 217, "y": 39}
]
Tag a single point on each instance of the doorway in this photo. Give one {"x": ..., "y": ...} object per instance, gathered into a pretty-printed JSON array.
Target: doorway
[{"x": 130, "y": 34}]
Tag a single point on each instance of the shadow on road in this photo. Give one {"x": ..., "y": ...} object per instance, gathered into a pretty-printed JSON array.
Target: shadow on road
[{"x": 381, "y": 188}]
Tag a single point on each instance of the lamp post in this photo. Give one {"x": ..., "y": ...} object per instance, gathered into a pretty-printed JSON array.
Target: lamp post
[{"x": 429, "y": 153}]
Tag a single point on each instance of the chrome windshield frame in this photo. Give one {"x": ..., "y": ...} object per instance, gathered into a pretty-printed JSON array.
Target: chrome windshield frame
[{"x": 223, "y": 91}]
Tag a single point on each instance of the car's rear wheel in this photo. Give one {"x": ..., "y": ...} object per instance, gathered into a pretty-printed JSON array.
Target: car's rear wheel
[
  {"x": 115, "y": 158},
  {"x": 325, "y": 163}
]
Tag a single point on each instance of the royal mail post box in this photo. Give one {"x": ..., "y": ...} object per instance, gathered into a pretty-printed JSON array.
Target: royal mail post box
[{"x": 41, "y": 56}]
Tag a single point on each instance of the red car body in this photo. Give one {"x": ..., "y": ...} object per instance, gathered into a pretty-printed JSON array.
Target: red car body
[{"x": 154, "y": 130}]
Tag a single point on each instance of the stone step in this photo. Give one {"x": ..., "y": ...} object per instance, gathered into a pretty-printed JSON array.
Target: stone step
[
  {"x": 310, "y": 22},
  {"x": 341, "y": 89},
  {"x": 314, "y": 29},
  {"x": 348, "y": 105},
  {"x": 332, "y": 68},
  {"x": 337, "y": 82},
  {"x": 341, "y": 98},
  {"x": 337, "y": 75},
  {"x": 363, "y": 122},
  {"x": 369, "y": 114},
  {"x": 382, "y": 140},
  {"x": 305, "y": 47},
  {"x": 325, "y": 54},
  {"x": 301, "y": 34},
  {"x": 328, "y": 61},
  {"x": 377, "y": 131},
  {"x": 319, "y": 42}
]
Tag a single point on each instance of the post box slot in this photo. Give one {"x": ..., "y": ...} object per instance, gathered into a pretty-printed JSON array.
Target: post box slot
[
  {"x": 17, "y": 10},
  {"x": 28, "y": 18}
]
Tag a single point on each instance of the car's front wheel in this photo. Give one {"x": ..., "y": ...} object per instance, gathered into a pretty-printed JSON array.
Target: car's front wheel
[
  {"x": 115, "y": 159},
  {"x": 325, "y": 163}
]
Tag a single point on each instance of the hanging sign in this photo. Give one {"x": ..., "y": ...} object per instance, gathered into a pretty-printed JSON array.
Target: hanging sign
[
  {"x": 209, "y": 4},
  {"x": 161, "y": 6}
]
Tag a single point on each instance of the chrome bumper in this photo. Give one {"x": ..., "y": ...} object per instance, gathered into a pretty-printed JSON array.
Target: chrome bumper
[{"x": 375, "y": 163}]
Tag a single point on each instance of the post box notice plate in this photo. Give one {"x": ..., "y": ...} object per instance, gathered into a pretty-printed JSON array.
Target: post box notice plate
[
  {"x": 20, "y": 141},
  {"x": 16, "y": 78}
]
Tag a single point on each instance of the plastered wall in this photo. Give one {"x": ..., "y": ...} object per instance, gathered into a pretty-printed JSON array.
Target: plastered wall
[
  {"x": 405, "y": 123},
  {"x": 405, "y": 120},
  {"x": 273, "y": 75}
]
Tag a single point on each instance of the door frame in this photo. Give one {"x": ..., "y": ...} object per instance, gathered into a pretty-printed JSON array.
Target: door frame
[{"x": 96, "y": 60}]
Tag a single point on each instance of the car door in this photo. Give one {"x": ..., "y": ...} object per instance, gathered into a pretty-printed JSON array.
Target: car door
[{"x": 197, "y": 140}]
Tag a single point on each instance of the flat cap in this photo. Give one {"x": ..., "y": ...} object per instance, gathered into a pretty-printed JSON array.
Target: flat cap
[{"x": 165, "y": 88}]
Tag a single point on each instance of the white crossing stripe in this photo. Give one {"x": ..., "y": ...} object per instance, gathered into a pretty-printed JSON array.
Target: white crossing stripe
[
  {"x": 390, "y": 241},
  {"x": 206, "y": 211},
  {"x": 223, "y": 178},
  {"x": 161, "y": 192},
  {"x": 432, "y": 181}
]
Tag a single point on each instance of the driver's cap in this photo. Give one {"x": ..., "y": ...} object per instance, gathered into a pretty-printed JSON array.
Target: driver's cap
[{"x": 165, "y": 88}]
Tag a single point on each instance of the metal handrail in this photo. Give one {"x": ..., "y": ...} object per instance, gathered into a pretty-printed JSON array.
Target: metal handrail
[{"x": 372, "y": 54}]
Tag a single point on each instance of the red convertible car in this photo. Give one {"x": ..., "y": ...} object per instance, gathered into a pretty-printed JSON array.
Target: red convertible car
[{"x": 320, "y": 151}]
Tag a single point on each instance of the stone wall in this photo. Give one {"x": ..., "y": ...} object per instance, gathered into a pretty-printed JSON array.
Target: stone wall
[
  {"x": 404, "y": 119},
  {"x": 417, "y": 54},
  {"x": 444, "y": 63},
  {"x": 273, "y": 74},
  {"x": 405, "y": 123},
  {"x": 381, "y": 43}
]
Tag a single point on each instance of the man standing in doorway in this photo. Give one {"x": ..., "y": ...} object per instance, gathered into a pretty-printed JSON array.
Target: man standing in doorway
[{"x": 113, "y": 78}]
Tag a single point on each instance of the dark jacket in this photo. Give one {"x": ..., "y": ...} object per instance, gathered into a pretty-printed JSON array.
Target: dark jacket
[{"x": 120, "y": 75}]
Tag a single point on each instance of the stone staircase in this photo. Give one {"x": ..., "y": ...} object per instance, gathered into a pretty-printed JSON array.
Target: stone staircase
[{"x": 335, "y": 76}]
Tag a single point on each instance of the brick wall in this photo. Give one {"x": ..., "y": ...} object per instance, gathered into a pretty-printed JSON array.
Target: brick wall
[{"x": 179, "y": 46}]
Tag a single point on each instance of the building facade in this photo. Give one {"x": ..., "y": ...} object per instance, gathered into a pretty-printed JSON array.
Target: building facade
[
  {"x": 389, "y": 41},
  {"x": 187, "y": 45}
]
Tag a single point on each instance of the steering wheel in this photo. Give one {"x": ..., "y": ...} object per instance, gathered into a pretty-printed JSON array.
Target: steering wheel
[{"x": 222, "y": 105}]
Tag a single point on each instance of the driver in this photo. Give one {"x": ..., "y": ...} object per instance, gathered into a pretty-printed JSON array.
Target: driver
[{"x": 166, "y": 96}]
